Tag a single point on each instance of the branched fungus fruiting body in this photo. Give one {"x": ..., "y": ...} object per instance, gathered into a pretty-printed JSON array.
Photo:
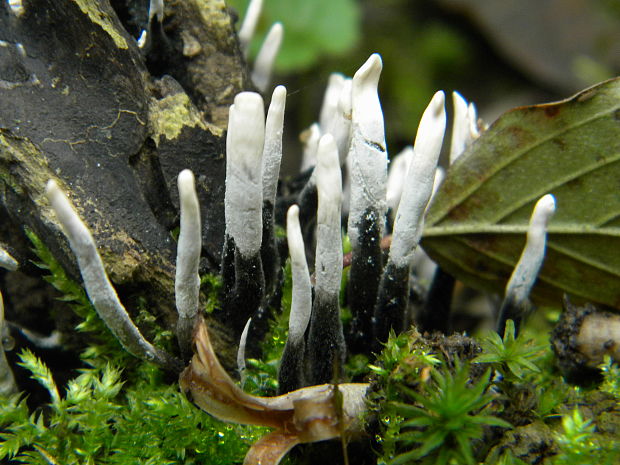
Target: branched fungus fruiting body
[
  {"x": 98, "y": 286},
  {"x": 367, "y": 208},
  {"x": 272, "y": 157},
  {"x": 263, "y": 66},
  {"x": 187, "y": 279},
  {"x": 291, "y": 375},
  {"x": 525, "y": 273},
  {"x": 250, "y": 20},
  {"x": 393, "y": 291},
  {"x": 242, "y": 269},
  {"x": 326, "y": 346}
]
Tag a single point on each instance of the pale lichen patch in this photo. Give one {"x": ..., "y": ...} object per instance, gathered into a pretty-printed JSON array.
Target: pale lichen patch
[
  {"x": 169, "y": 115},
  {"x": 101, "y": 18}
]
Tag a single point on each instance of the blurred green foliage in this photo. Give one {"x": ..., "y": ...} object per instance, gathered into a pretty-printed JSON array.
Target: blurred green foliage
[{"x": 311, "y": 29}]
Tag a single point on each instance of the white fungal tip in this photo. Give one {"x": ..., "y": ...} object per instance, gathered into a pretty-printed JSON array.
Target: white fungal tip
[
  {"x": 370, "y": 70},
  {"x": 397, "y": 174},
  {"x": 186, "y": 183},
  {"x": 156, "y": 9},
  {"x": 328, "y": 178},
  {"x": 530, "y": 262},
  {"x": 263, "y": 66},
  {"x": 327, "y": 154},
  {"x": 7, "y": 261},
  {"x": 310, "y": 140},
  {"x": 244, "y": 191},
  {"x": 301, "y": 304},
  {"x": 545, "y": 207},
  {"x": 272, "y": 153},
  {"x": 432, "y": 128},
  {"x": 246, "y": 130},
  {"x": 460, "y": 127},
  {"x": 142, "y": 39},
  {"x": 246, "y": 31},
  {"x": 329, "y": 107},
  {"x": 16, "y": 7}
]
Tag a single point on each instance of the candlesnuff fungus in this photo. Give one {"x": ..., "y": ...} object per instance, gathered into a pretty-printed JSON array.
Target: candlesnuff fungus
[
  {"x": 272, "y": 158},
  {"x": 187, "y": 279},
  {"x": 465, "y": 126},
  {"x": 248, "y": 26},
  {"x": 326, "y": 347},
  {"x": 367, "y": 207},
  {"x": 263, "y": 65},
  {"x": 98, "y": 286},
  {"x": 524, "y": 275},
  {"x": 291, "y": 374},
  {"x": 242, "y": 268},
  {"x": 394, "y": 288}
]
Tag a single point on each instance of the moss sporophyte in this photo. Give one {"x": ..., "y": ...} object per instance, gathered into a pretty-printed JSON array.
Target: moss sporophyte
[{"x": 384, "y": 378}]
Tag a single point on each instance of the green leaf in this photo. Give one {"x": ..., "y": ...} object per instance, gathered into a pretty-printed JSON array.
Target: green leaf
[
  {"x": 476, "y": 226},
  {"x": 311, "y": 29}
]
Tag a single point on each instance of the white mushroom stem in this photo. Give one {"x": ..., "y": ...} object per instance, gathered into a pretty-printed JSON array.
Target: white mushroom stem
[
  {"x": 7, "y": 380},
  {"x": 244, "y": 191},
  {"x": 263, "y": 65},
  {"x": 301, "y": 302},
  {"x": 367, "y": 154},
  {"x": 272, "y": 152},
  {"x": 526, "y": 271},
  {"x": 246, "y": 31},
  {"x": 187, "y": 279},
  {"x": 98, "y": 286},
  {"x": 419, "y": 183},
  {"x": 328, "y": 267}
]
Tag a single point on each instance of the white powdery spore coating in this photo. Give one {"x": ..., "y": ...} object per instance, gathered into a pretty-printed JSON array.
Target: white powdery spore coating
[
  {"x": 329, "y": 107},
  {"x": 263, "y": 66},
  {"x": 244, "y": 191},
  {"x": 340, "y": 126},
  {"x": 246, "y": 32},
  {"x": 301, "y": 302},
  {"x": 272, "y": 153},
  {"x": 98, "y": 286},
  {"x": 310, "y": 140},
  {"x": 328, "y": 264},
  {"x": 367, "y": 154},
  {"x": 156, "y": 8},
  {"x": 528, "y": 266},
  {"x": 399, "y": 165},
  {"x": 419, "y": 183},
  {"x": 187, "y": 279}
]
